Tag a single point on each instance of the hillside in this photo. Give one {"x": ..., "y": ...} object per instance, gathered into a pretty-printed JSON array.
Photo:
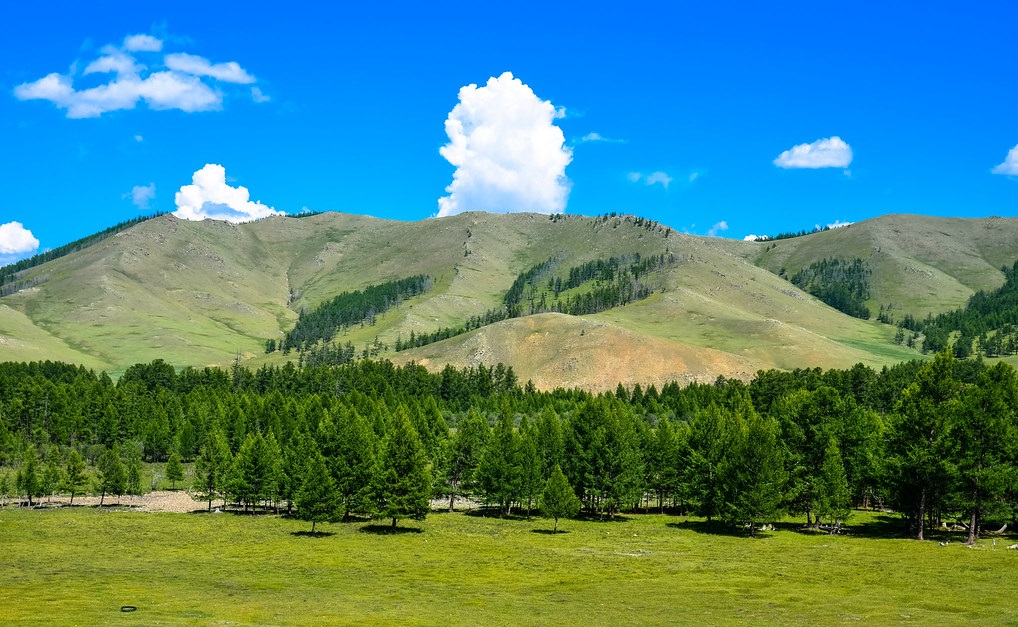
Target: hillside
[
  {"x": 920, "y": 264},
  {"x": 206, "y": 293}
]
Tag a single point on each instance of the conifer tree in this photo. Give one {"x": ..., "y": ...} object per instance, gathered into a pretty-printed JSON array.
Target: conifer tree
[
  {"x": 29, "y": 482},
  {"x": 174, "y": 469},
  {"x": 212, "y": 467},
  {"x": 51, "y": 475},
  {"x": 498, "y": 473},
  {"x": 74, "y": 474},
  {"x": 112, "y": 479},
  {"x": 317, "y": 500},
  {"x": 132, "y": 474},
  {"x": 558, "y": 499},
  {"x": 402, "y": 482}
]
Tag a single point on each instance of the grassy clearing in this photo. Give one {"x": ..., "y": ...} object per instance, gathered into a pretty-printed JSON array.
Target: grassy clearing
[{"x": 80, "y": 565}]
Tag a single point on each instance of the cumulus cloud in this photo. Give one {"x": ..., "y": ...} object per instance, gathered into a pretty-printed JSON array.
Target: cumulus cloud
[
  {"x": 16, "y": 242},
  {"x": 209, "y": 196},
  {"x": 837, "y": 224},
  {"x": 142, "y": 43},
  {"x": 752, "y": 238},
  {"x": 654, "y": 178},
  {"x": 830, "y": 152},
  {"x": 176, "y": 81},
  {"x": 142, "y": 195},
  {"x": 717, "y": 229},
  {"x": 1010, "y": 165},
  {"x": 508, "y": 153}
]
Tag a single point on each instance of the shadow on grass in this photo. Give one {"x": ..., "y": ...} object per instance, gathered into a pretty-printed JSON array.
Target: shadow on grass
[
  {"x": 387, "y": 530},
  {"x": 548, "y": 532},
  {"x": 312, "y": 534},
  {"x": 715, "y": 528},
  {"x": 494, "y": 512}
]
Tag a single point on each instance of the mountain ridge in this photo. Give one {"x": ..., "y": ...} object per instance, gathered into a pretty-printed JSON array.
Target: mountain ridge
[{"x": 208, "y": 293}]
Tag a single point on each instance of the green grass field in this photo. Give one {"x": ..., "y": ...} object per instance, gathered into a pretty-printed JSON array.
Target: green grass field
[{"x": 78, "y": 566}]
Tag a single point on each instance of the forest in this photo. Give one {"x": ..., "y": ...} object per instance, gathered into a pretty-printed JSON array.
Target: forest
[
  {"x": 842, "y": 284},
  {"x": 935, "y": 440}
]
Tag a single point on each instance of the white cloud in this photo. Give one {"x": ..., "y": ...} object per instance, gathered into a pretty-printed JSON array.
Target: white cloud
[
  {"x": 1010, "y": 165},
  {"x": 210, "y": 197},
  {"x": 142, "y": 43},
  {"x": 16, "y": 242},
  {"x": 651, "y": 179},
  {"x": 597, "y": 138},
  {"x": 178, "y": 81},
  {"x": 229, "y": 72},
  {"x": 139, "y": 138},
  {"x": 837, "y": 224},
  {"x": 718, "y": 227},
  {"x": 258, "y": 96},
  {"x": 141, "y": 195},
  {"x": 508, "y": 153},
  {"x": 823, "y": 153},
  {"x": 751, "y": 238}
]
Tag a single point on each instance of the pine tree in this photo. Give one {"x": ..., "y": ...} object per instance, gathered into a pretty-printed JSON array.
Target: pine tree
[
  {"x": 174, "y": 469},
  {"x": 835, "y": 502},
  {"x": 317, "y": 499},
  {"x": 132, "y": 474},
  {"x": 74, "y": 475},
  {"x": 402, "y": 482},
  {"x": 112, "y": 478},
  {"x": 558, "y": 499},
  {"x": 498, "y": 473},
  {"x": 29, "y": 482},
  {"x": 52, "y": 475},
  {"x": 212, "y": 467}
]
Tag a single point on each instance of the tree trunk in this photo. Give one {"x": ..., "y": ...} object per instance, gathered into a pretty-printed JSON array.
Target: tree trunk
[
  {"x": 922, "y": 514},
  {"x": 556, "y": 525},
  {"x": 102, "y": 497},
  {"x": 394, "y": 524},
  {"x": 452, "y": 500},
  {"x": 210, "y": 503},
  {"x": 312, "y": 526},
  {"x": 973, "y": 525}
]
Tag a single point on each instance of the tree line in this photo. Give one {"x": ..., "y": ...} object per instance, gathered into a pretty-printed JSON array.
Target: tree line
[
  {"x": 597, "y": 285},
  {"x": 841, "y": 283},
  {"x": 934, "y": 441}
]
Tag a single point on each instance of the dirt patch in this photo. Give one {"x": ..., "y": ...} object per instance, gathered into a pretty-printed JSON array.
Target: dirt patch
[{"x": 177, "y": 501}]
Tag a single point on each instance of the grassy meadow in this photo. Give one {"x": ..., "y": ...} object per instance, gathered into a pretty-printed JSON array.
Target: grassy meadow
[{"x": 78, "y": 566}]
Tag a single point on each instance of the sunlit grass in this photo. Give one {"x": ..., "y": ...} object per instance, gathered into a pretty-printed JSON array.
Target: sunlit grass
[{"x": 80, "y": 565}]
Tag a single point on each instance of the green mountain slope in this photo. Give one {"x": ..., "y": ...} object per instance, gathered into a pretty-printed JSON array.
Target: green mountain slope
[
  {"x": 202, "y": 293},
  {"x": 919, "y": 264}
]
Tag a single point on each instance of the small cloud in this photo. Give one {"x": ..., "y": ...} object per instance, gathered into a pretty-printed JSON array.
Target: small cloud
[
  {"x": 650, "y": 179},
  {"x": 1010, "y": 165},
  {"x": 16, "y": 242},
  {"x": 194, "y": 65},
  {"x": 178, "y": 81},
  {"x": 837, "y": 224},
  {"x": 142, "y": 195},
  {"x": 598, "y": 138},
  {"x": 210, "y": 197},
  {"x": 508, "y": 153},
  {"x": 751, "y": 238},
  {"x": 258, "y": 96},
  {"x": 823, "y": 153},
  {"x": 142, "y": 43},
  {"x": 718, "y": 227},
  {"x": 694, "y": 176}
]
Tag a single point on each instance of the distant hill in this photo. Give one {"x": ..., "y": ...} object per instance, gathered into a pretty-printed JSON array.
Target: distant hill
[{"x": 206, "y": 293}]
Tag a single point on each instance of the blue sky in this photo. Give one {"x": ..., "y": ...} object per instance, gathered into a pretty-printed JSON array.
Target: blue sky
[{"x": 689, "y": 114}]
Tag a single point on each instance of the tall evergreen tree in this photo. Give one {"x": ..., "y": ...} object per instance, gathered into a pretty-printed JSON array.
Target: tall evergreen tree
[
  {"x": 498, "y": 473},
  {"x": 212, "y": 467},
  {"x": 29, "y": 481},
  {"x": 920, "y": 469},
  {"x": 558, "y": 499},
  {"x": 986, "y": 435},
  {"x": 402, "y": 481},
  {"x": 317, "y": 499},
  {"x": 112, "y": 478},
  {"x": 74, "y": 474}
]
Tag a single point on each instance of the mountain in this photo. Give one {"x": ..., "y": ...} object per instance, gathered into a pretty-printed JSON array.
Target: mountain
[{"x": 207, "y": 293}]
